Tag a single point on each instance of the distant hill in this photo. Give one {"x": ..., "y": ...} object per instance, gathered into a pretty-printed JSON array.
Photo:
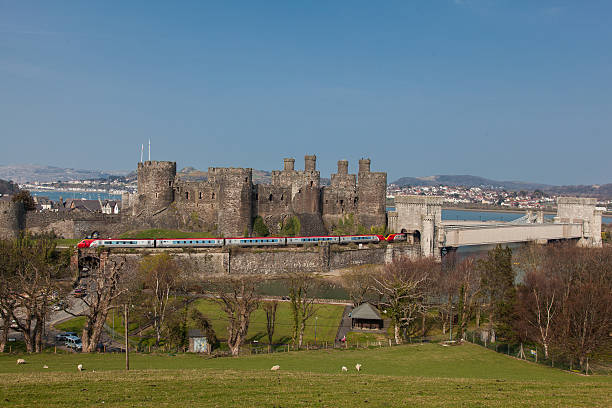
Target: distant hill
[
  {"x": 468, "y": 181},
  {"x": 21, "y": 173},
  {"x": 8, "y": 187}
]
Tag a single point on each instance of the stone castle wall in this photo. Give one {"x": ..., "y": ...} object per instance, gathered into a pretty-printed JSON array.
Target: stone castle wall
[{"x": 274, "y": 261}]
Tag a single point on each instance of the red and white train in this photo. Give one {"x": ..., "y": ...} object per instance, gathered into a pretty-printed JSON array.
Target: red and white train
[{"x": 241, "y": 242}]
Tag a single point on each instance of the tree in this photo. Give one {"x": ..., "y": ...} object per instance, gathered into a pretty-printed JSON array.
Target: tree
[
  {"x": 109, "y": 279},
  {"x": 31, "y": 267},
  {"x": 303, "y": 307},
  {"x": 357, "y": 281},
  {"x": 404, "y": 289},
  {"x": 25, "y": 197},
  {"x": 160, "y": 274},
  {"x": 538, "y": 305},
  {"x": 270, "y": 309},
  {"x": 260, "y": 229},
  {"x": 499, "y": 292},
  {"x": 238, "y": 298}
]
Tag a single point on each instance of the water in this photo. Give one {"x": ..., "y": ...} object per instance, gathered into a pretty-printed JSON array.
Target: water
[{"x": 55, "y": 195}]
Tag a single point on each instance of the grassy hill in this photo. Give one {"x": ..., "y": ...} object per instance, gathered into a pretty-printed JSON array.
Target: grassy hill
[{"x": 412, "y": 375}]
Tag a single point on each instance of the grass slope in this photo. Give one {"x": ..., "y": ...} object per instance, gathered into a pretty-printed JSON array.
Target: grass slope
[{"x": 423, "y": 375}]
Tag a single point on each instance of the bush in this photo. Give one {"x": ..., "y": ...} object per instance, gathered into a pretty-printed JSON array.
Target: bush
[
  {"x": 260, "y": 229},
  {"x": 291, "y": 228}
]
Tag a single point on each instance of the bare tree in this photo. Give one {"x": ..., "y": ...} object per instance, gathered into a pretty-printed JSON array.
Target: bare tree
[
  {"x": 357, "y": 281},
  {"x": 303, "y": 307},
  {"x": 469, "y": 293},
  {"x": 239, "y": 298},
  {"x": 270, "y": 309},
  {"x": 539, "y": 302},
  {"x": 160, "y": 275},
  {"x": 31, "y": 267},
  {"x": 106, "y": 283},
  {"x": 404, "y": 288}
]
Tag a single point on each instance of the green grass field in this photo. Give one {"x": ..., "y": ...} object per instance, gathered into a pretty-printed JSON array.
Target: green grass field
[
  {"x": 327, "y": 323},
  {"x": 411, "y": 375}
]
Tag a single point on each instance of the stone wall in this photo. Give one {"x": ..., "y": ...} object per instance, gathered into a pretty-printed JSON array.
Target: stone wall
[
  {"x": 581, "y": 210},
  {"x": 75, "y": 224},
  {"x": 273, "y": 261}
]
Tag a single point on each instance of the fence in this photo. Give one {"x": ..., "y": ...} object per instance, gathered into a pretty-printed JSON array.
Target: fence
[{"x": 527, "y": 352}]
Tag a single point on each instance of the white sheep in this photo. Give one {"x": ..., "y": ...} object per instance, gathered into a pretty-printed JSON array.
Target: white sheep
[
  {"x": 45, "y": 366},
  {"x": 274, "y": 368},
  {"x": 20, "y": 361},
  {"x": 358, "y": 367},
  {"x": 80, "y": 367},
  {"x": 344, "y": 369}
]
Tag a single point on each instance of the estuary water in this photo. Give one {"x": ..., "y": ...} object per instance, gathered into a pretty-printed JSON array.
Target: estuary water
[{"x": 55, "y": 195}]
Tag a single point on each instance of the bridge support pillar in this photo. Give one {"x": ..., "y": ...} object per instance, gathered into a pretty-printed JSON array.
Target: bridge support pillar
[{"x": 422, "y": 214}]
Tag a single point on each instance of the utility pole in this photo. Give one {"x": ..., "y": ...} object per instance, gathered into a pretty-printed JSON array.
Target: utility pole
[
  {"x": 451, "y": 323},
  {"x": 316, "y": 318},
  {"x": 141, "y": 151},
  {"x": 127, "y": 345},
  {"x": 149, "y": 149}
]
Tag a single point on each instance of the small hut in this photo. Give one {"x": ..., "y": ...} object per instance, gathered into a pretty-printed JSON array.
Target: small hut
[
  {"x": 197, "y": 341},
  {"x": 365, "y": 316}
]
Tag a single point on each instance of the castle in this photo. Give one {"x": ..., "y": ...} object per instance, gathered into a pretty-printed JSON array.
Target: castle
[{"x": 228, "y": 201}]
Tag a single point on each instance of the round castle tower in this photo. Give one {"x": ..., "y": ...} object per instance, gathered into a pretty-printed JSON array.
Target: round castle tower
[
  {"x": 12, "y": 219},
  {"x": 155, "y": 185}
]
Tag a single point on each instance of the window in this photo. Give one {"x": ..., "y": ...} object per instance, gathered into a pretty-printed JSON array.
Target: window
[
  {"x": 270, "y": 198},
  {"x": 200, "y": 195},
  {"x": 186, "y": 195}
]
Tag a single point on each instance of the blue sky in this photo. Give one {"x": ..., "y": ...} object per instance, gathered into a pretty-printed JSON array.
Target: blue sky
[{"x": 512, "y": 90}]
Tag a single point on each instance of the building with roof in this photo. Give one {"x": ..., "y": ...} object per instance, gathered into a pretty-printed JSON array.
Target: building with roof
[{"x": 365, "y": 316}]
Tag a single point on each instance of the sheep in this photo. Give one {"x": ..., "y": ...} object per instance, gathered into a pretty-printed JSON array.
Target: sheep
[
  {"x": 344, "y": 369},
  {"x": 80, "y": 367},
  {"x": 358, "y": 367},
  {"x": 275, "y": 368},
  {"x": 45, "y": 366},
  {"x": 20, "y": 361}
]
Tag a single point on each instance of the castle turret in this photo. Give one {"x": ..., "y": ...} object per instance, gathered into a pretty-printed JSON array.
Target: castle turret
[
  {"x": 372, "y": 196},
  {"x": 12, "y": 219},
  {"x": 235, "y": 192},
  {"x": 155, "y": 185},
  {"x": 310, "y": 163},
  {"x": 342, "y": 166},
  {"x": 289, "y": 164}
]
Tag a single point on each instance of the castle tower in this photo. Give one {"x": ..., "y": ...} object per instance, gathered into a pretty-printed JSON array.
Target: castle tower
[
  {"x": 289, "y": 164},
  {"x": 340, "y": 199},
  {"x": 310, "y": 163},
  {"x": 12, "y": 219},
  {"x": 581, "y": 210},
  {"x": 155, "y": 185},
  {"x": 342, "y": 166},
  {"x": 235, "y": 186},
  {"x": 371, "y": 195}
]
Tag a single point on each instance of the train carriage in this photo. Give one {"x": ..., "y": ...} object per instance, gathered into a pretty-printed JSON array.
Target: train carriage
[
  {"x": 256, "y": 241},
  {"x": 123, "y": 243},
  {"x": 396, "y": 237},
  {"x": 361, "y": 239},
  {"x": 191, "y": 242},
  {"x": 312, "y": 240}
]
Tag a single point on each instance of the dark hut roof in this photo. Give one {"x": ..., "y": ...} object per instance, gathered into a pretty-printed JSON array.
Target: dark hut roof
[
  {"x": 194, "y": 333},
  {"x": 365, "y": 311}
]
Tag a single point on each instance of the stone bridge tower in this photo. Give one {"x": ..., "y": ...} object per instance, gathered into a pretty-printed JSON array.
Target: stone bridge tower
[
  {"x": 420, "y": 216},
  {"x": 581, "y": 210}
]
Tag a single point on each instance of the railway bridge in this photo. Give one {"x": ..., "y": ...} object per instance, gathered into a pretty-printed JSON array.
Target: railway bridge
[{"x": 577, "y": 219}]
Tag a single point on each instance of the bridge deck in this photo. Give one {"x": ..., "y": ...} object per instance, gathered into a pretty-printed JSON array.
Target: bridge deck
[{"x": 500, "y": 233}]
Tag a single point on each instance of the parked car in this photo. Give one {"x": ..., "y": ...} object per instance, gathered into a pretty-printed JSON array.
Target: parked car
[
  {"x": 63, "y": 336},
  {"x": 74, "y": 342},
  {"x": 79, "y": 293},
  {"x": 58, "y": 306}
]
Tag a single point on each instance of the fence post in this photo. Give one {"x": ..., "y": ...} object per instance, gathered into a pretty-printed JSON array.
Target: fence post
[{"x": 389, "y": 342}]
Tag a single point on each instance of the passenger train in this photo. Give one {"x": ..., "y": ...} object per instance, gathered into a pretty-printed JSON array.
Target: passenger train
[{"x": 237, "y": 242}]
